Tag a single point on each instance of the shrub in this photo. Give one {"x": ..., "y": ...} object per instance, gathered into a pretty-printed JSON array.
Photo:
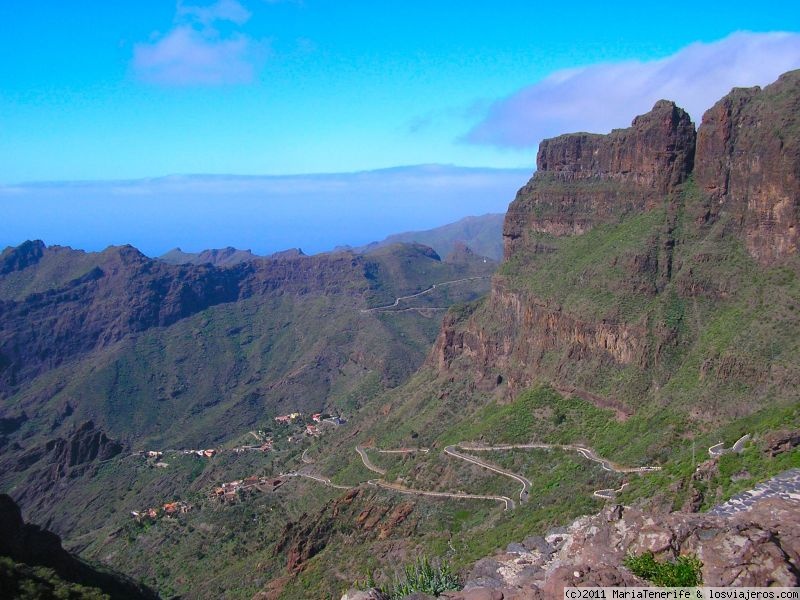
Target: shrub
[
  {"x": 420, "y": 576},
  {"x": 684, "y": 572}
]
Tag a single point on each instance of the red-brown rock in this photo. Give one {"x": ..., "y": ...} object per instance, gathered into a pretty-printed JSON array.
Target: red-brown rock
[
  {"x": 584, "y": 179},
  {"x": 748, "y": 162}
]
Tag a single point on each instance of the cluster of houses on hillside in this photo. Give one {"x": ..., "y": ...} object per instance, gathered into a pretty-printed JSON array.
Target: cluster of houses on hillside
[
  {"x": 170, "y": 509},
  {"x": 288, "y": 418},
  {"x": 265, "y": 446},
  {"x": 156, "y": 455},
  {"x": 208, "y": 453},
  {"x": 230, "y": 491},
  {"x": 316, "y": 417}
]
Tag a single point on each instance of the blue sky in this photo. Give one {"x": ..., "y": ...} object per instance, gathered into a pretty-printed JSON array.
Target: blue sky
[{"x": 95, "y": 90}]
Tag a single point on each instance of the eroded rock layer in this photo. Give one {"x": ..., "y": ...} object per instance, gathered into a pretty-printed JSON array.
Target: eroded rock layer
[
  {"x": 584, "y": 179},
  {"x": 748, "y": 162},
  {"x": 668, "y": 212}
]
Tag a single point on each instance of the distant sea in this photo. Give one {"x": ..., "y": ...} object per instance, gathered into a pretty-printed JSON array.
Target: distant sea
[{"x": 264, "y": 214}]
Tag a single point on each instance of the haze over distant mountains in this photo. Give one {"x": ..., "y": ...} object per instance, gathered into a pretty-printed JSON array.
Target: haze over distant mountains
[
  {"x": 263, "y": 213},
  {"x": 483, "y": 235}
]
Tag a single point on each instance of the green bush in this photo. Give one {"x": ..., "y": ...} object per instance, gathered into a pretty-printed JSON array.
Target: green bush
[
  {"x": 420, "y": 576},
  {"x": 684, "y": 572}
]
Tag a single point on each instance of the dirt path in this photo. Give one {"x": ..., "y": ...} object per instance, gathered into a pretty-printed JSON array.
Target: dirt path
[
  {"x": 318, "y": 478},
  {"x": 621, "y": 412}
]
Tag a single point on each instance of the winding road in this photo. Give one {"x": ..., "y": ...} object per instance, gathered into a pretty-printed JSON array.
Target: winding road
[
  {"x": 388, "y": 307},
  {"x": 526, "y": 483},
  {"x": 609, "y": 493},
  {"x": 368, "y": 463},
  {"x": 720, "y": 449},
  {"x": 587, "y": 453},
  {"x": 318, "y": 478},
  {"x": 404, "y": 490}
]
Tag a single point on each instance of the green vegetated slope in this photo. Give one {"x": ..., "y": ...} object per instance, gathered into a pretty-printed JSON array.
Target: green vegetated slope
[
  {"x": 18, "y": 580},
  {"x": 648, "y": 335},
  {"x": 669, "y": 323},
  {"x": 679, "y": 408},
  {"x": 482, "y": 234},
  {"x": 208, "y": 378},
  {"x": 722, "y": 330},
  {"x": 718, "y": 367}
]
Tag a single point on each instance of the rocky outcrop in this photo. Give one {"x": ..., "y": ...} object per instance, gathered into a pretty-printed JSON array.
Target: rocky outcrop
[
  {"x": 85, "y": 445},
  {"x": 370, "y": 594},
  {"x": 357, "y": 512},
  {"x": 779, "y": 442},
  {"x": 524, "y": 330},
  {"x": 50, "y": 467},
  {"x": 29, "y": 544},
  {"x": 748, "y": 163},
  {"x": 756, "y": 547},
  {"x": 584, "y": 179},
  {"x": 26, "y": 254}
]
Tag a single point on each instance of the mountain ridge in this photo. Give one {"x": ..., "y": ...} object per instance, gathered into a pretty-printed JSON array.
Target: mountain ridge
[
  {"x": 643, "y": 313},
  {"x": 544, "y": 216}
]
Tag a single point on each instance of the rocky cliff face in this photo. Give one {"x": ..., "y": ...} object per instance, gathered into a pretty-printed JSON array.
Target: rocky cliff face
[
  {"x": 25, "y": 255},
  {"x": 524, "y": 330},
  {"x": 570, "y": 311},
  {"x": 748, "y": 163},
  {"x": 584, "y": 179}
]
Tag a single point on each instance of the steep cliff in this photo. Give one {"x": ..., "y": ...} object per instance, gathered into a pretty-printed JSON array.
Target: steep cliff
[
  {"x": 585, "y": 179},
  {"x": 748, "y": 163},
  {"x": 634, "y": 266}
]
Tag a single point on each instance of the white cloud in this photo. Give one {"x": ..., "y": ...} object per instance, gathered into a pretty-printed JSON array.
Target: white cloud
[
  {"x": 600, "y": 97},
  {"x": 195, "y": 52}
]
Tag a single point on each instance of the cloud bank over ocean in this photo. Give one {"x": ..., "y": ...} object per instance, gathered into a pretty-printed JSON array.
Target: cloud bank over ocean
[
  {"x": 600, "y": 97},
  {"x": 262, "y": 213}
]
